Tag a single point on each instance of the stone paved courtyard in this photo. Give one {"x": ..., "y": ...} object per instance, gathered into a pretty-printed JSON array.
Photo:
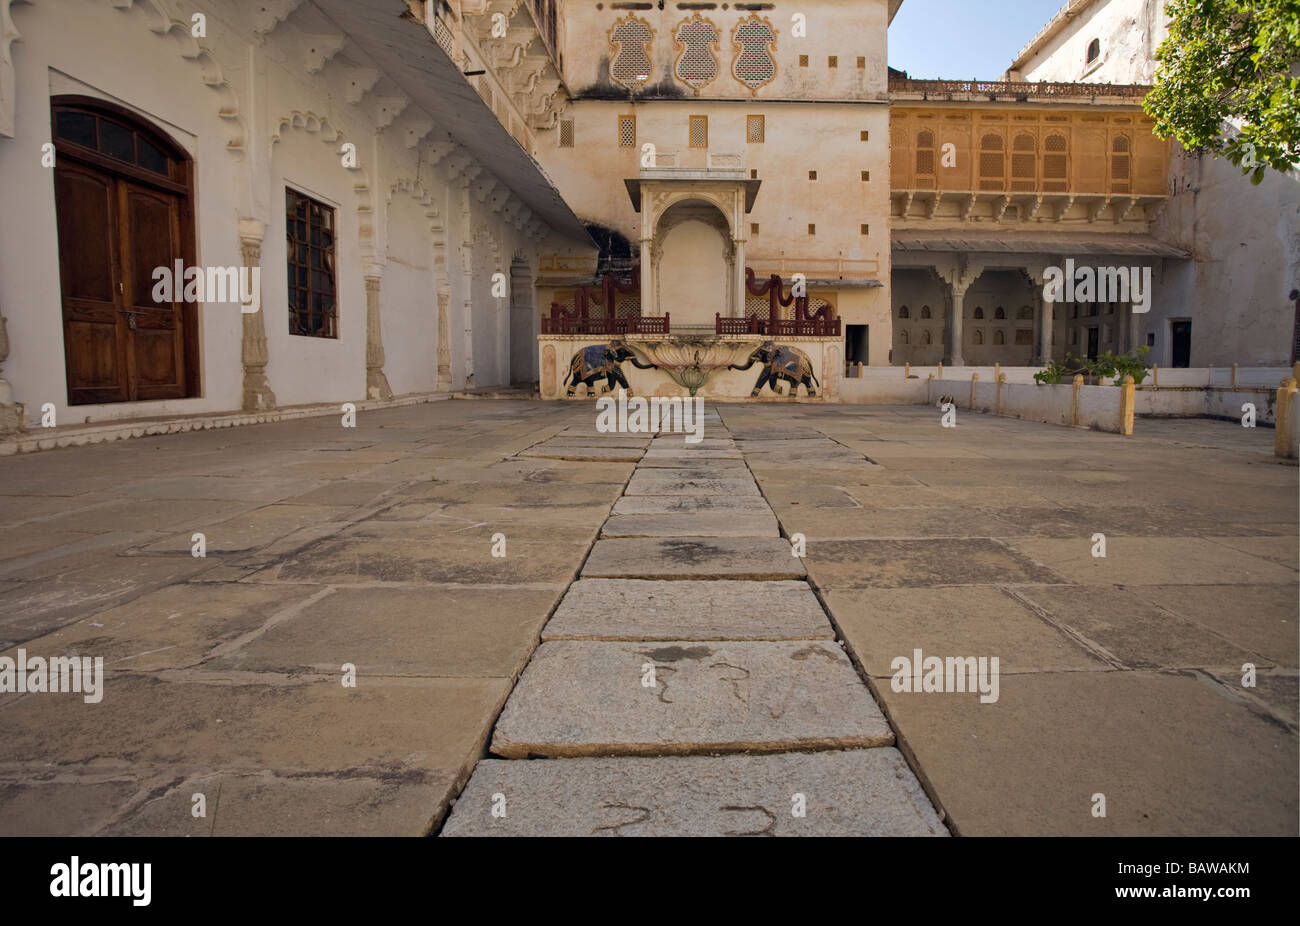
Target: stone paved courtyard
[{"x": 1120, "y": 676}]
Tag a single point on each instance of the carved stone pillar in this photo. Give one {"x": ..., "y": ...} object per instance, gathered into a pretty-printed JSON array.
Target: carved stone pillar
[
  {"x": 647, "y": 277},
  {"x": 738, "y": 280},
  {"x": 957, "y": 314},
  {"x": 257, "y": 390},
  {"x": 376, "y": 382},
  {"x": 12, "y": 415},
  {"x": 444, "y": 342}
]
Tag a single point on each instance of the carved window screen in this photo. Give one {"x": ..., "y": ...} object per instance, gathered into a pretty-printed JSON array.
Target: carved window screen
[
  {"x": 1024, "y": 163},
  {"x": 699, "y": 131},
  {"x": 1119, "y": 164},
  {"x": 754, "y": 65},
  {"x": 697, "y": 63},
  {"x": 925, "y": 179},
  {"x": 566, "y": 133},
  {"x": 627, "y": 131},
  {"x": 993, "y": 166},
  {"x": 631, "y": 40},
  {"x": 755, "y": 129},
  {"x": 1056, "y": 164}
]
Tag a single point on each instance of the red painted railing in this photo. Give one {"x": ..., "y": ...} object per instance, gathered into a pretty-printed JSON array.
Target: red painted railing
[{"x": 560, "y": 323}]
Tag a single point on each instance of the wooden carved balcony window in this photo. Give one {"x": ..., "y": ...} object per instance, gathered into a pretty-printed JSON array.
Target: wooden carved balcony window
[
  {"x": 1120, "y": 164},
  {"x": 925, "y": 179},
  {"x": 1056, "y": 164},
  {"x": 993, "y": 166},
  {"x": 630, "y": 41},
  {"x": 1024, "y": 163},
  {"x": 755, "y": 42},
  {"x": 697, "y": 45}
]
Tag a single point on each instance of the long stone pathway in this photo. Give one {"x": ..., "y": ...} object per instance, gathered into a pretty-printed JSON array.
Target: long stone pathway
[{"x": 690, "y": 682}]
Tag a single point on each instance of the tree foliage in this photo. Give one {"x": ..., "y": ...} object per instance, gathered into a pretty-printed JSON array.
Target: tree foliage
[{"x": 1234, "y": 61}]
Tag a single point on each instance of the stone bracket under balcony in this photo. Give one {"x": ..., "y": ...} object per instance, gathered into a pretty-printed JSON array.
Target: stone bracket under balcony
[{"x": 1009, "y": 208}]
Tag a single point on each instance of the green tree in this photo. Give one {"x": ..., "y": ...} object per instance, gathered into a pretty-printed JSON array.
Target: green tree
[{"x": 1236, "y": 61}]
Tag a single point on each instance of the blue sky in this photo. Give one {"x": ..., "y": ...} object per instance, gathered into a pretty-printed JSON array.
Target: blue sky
[{"x": 964, "y": 39}]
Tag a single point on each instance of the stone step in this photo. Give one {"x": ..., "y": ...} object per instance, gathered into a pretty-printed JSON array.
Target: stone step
[
  {"x": 701, "y": 524},
  {"x": 642, "y": 484},
  {"x": 696, "y": 558},
  {"x": 639, "y": 609},
  {"x": 862, "y": 792},
  {"x": 588, "y": 699},
  {"x": 677, "y": 504}
]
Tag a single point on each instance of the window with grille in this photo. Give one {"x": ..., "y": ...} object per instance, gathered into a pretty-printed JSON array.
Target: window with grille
[
  {"x": 755, "y": 129},
  {"x": 697, "y": 42},
  {"x": 630, "y": 65},
  {"x": 699, "y": 131},
  {"x": 862, "y": 62},
  {"x": 566, "y": 133},
  {"x": 1024, "y": 162},
  {"x": 993, "y": 166},
  {"x": 833, "y": 61},
  {"x": 627, "y": 131},
  {"x": 1119, "y": 164},
  {"x": 309, "y": 227},
  {"x": 926, "y": 158},
  {"x": 1056, "y": 164},
  {"x": 754, "y": 65}
]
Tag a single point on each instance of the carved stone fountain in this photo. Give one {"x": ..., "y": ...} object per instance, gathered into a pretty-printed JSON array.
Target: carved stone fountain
[{"x": 691, "y": 362}]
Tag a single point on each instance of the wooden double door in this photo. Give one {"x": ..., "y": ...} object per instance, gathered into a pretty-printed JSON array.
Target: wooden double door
[{"x": 122, "y": 196}]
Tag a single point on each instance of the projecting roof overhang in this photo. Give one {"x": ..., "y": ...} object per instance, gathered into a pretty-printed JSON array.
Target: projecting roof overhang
[
  {"x": 677, "y": 179},
  {"x": 957, "y": 241},
  {"x": 407, "y": 53}
]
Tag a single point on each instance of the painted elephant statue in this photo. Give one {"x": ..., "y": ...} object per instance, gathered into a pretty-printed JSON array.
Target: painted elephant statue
[
  {"x": 781, "y": 363},
  {"x": 602, "y": 360}
]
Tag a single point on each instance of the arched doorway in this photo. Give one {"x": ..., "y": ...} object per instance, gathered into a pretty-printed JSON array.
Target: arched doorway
[
  {"x": 694, "y": 263},
  {"x": 123, "y": 199}
]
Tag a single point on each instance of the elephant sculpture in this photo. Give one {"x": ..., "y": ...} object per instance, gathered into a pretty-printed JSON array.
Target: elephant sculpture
[
  {"x": 781, "y": 363},
  {"x": 602, "y": 360}
]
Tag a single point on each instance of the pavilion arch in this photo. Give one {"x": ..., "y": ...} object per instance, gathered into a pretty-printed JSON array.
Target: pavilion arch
[{"x": 694, "y": 259}]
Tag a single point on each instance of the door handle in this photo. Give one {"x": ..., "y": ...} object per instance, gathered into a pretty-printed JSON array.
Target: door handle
[{"x": 130, "y": 320}]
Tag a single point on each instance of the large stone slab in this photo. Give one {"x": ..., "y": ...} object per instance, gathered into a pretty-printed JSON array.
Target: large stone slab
[
  {"x": 863, "y": 792},
  {"x": 584, "y": 454},
  {"x": 642, "y": 484},
  {"x": 698, "y": 558},
  {"x": 685, "y": 472},
  {"x": 639, "y": 609},
  {"x": 653, "y": 456},
  {"x": 1188, "y": 758},
  {"x": 590, "y": 699},
  {"x": 912, "y": 563},
  {"x": 701, "y": 524},
  {"x": 680, "y": 504}
]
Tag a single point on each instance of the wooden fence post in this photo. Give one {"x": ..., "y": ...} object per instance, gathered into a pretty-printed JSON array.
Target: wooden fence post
[
  {"x": 1127, "y": 400},
  {"x": 1282, "y": 436}
]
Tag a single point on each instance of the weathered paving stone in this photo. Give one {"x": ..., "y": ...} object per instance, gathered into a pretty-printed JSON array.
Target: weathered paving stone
[
  {"x": 655, "y": 457},
  {"x": 703, "y": 524},
  {"x": 638, "y": 609},
  {"x": 645, "y": 485},
  {"x": 675, "y": 504},
  {"x": 688, "y": 473},
  {"x": 868, "y": 792},
  {"x": 694, "y": 558},
  {"x": 588, "y": 699},
  {"x": 584, "y": 454}
]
